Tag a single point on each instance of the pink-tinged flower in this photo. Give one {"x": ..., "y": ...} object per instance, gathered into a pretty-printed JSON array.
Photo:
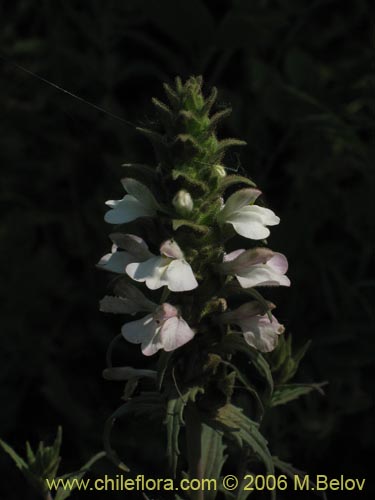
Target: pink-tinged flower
[
  {"x": 258, "y": 330},
  {"x": 135, "y": 250},
  {"x": 163, "y": 329},
  {"x": 139, "y": 202},
  {"x": 170, "y": 269},
  {"x": 247, "y": 219},
  {"x": 257, "y": 267}
]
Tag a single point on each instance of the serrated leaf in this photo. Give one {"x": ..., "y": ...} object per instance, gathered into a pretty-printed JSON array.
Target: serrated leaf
[
  {"x": 213, "y": 457},
  {"x": 246, "y": 433},
  {"x": 288, "y": 392}
]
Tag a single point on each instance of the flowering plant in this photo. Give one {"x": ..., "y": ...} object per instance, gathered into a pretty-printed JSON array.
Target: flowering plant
[{"x": 200, "y": 312}]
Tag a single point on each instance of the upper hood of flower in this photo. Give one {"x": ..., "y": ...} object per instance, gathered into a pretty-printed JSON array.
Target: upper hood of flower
[
  {"x": 139, "y": 202},
  {"x": 136, "y": 250},
  {"x": 259, "y": 329},
  {"x": 257, "y": 267},
  {"x": 247, "y": 219}
]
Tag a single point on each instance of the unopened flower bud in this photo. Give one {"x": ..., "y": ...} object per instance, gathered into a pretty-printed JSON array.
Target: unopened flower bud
[
  {"x": 220, "y": 171},
  {"x": 183, "y": 202}
]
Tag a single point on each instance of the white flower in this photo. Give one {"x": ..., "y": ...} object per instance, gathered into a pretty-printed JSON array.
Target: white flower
[
  {"x": 258, "y": 331},
  {"x": 136, "y": 250},
  {"x": 183, "y": 202},
  {"x": 247, "y": 219},
  {"x": 170, "y": 269},
  {"x": 164, "y": 329},
  {"x": 257, "y": 267},
  {"x": 140, "y": 202}
]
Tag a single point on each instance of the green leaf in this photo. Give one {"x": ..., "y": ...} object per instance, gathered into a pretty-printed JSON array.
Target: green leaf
[
  {"x": 163, "y": 109},
  {"x": 230, "y": 180},
  {"x": 172, "y": 96},
  {"x": 213, "y": 457},
  {"x": 249, "y": 387},
  {"x": 29, "y": 454},
  {"x": 288, "y": 392},
  {"x": 245, "y": 433},
  {"x": 227, "y": 143},
  {"x": 198, "y": 228},
  {"x": 174, "y": 421},
  {"x": 19, "y": 461},
  {"x": 188, "y": 177},
  {"x": 220, "y": 115},
  {"x": 234, "y": 342},
  {"x": 210, "y": 100}
]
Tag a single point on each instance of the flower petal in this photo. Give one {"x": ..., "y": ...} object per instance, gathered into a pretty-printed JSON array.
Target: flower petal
[
  {"x": 260, "y": 333},
  {"x": 237, "y": 201},
  {"x": 171, "y": 249},
  {"x": 152, "y": 271},
  {"x": 268, "y": 217},
  {"x": 115, "y": 262},
  {"x": 250, "y": 222},
  {"x": 127, "y": 210},
  {"x": 230, "y": 257},
  {"x": 140, "y": 192},
  {"x": 241, "y": 260},
  {"x": 132, "y": 244},
  {"x": 174, "y": 333},
  {"x": 141, "y": 330},
  {"x": 249, "y": 226},
  {"x": 152, "y": 346},
  {"x": 180, "y": 276},
  {"x": 245, "y": 311},
  {"x": 279, "y": 263}
]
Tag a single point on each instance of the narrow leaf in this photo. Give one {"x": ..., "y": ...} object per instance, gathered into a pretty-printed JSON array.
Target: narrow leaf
[{"x": 288, "y": 392}]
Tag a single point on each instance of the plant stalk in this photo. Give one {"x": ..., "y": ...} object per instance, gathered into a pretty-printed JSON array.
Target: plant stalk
[{"x": 194, "y": 447}]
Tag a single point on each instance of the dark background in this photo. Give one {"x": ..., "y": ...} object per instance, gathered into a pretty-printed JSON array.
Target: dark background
[{"x": 300, "y": 77}]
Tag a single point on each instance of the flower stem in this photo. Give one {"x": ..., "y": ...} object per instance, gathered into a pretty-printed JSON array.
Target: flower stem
[{"x": 194, "y": 447}]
